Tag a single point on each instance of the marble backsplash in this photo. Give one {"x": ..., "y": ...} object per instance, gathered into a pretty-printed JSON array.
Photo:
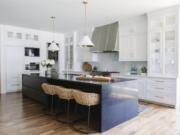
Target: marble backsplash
[{"x": 110, "y": 62}]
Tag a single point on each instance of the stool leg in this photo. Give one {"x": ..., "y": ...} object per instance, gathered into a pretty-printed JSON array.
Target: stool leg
[
  {"x": 67, "y": 111},
  {"x": 89, "y": 115},
  {"x": 47, "y": 105},
  {"x": 86, "y": 131},
  {"x": 52, "y": 103},
  {"x": 68, "y": 104},
  {"x": 76, "y": 108}
]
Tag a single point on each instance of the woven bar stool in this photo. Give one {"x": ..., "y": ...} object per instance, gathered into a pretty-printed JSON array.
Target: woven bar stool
[
  {"x": 49, "y": 90},
  {"x": 67, "y": 95},
  {"x": 85, "y": 99}
]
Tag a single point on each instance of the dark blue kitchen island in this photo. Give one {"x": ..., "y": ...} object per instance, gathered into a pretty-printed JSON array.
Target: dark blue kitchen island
[{"x": 117, "y": 103}]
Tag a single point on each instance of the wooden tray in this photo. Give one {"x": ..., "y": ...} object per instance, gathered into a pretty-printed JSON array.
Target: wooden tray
[{"x": 98, "y": 79}]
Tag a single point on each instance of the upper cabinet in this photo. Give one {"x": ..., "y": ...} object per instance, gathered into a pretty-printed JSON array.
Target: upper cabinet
[
  {"x": 133, "y": 39},
  {"x": 16, "y": 36},
  {"x": 163, "y": 43}
]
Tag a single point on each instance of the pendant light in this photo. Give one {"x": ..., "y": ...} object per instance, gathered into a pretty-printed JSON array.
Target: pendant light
[
  {"x": 53, "y": 46},
  {"x": 86, "y": 41}
]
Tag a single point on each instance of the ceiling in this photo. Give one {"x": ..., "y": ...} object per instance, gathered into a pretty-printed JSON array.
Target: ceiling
[{"x": 69, "y": 13}]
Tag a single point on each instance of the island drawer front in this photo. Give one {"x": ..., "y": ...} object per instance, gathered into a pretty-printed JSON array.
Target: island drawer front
[{"x": 161, "y": 97}]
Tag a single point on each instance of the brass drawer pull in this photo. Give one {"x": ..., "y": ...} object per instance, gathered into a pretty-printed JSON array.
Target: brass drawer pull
[
  {"x": 160, "y": 88},
  {"x": 159, "y": 97},
  {"x": 160, "y": 81}
]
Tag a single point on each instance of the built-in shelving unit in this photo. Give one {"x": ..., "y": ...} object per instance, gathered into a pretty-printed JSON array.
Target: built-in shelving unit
[
  {"x": 163, "y": 58},
  {"x": 163, "y": 44},
  {"x": 22, "y": 51}
]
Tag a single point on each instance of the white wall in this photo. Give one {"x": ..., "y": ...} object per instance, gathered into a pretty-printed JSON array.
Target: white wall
[{"x": 6, "y": 43}]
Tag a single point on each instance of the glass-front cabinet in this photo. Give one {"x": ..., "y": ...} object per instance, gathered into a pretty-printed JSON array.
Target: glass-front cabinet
[
  {"x": 163, "y": 45},
  {"x": 156, "y": 53},
  {"x": 170, "y": 53}
]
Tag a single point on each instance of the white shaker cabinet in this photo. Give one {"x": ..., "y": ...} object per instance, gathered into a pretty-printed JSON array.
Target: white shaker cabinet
[
  {"x": 163, "y": 43},
  {"x": 141, "y": 85},
  {"x": 142, "y": 88},
  {"x": 14, "y": 68},
  {"x": 163, "y": 59},
  {"x": 133, "y": 39},
  {"x": 162, "y": 91},
  {"x": 127, "y": 47}
]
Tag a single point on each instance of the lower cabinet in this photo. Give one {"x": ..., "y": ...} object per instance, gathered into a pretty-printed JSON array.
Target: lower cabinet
[
  {"x": 142, "y": 88},
  {"x": 156, "y": 90},
  {"x": 14, "y": 68},
  {"x": 162, "y": 91}
]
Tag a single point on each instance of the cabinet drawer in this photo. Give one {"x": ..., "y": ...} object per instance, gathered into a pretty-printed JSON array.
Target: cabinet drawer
[
  {"x": 162, "y": 84},
  {"x": 162, "y": 97},
  {"x": 161, "y": 89}
]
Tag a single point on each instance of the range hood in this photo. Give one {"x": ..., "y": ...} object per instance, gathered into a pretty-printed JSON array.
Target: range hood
[{"x": 105, "y": 38}]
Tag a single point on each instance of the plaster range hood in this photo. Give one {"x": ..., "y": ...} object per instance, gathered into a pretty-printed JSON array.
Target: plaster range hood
[{"x": 105, "y": 38}]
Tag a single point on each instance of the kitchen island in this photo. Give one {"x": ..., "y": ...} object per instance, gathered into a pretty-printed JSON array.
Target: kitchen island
[{"x": 117, "y": 104}]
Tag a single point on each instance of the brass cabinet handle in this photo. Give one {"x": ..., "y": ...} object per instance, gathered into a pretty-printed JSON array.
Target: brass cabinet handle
[
  {"x": 159, "y": 88},
  {"x": 160, "y": 81},
  {"x": 159, "y": 97}
]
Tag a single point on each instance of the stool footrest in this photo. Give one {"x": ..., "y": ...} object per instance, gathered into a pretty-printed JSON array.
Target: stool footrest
[{"x": 85, "y": 131}]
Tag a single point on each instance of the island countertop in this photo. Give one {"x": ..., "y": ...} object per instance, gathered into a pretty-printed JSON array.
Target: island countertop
[
  {"x": 73, "y": 78},
  {"x": 117, "y": 104}
]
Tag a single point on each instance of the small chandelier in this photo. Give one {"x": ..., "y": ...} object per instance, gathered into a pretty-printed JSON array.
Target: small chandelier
[
  {"x": 53, "y": 45},
  {"x": 86, "y": 41}
]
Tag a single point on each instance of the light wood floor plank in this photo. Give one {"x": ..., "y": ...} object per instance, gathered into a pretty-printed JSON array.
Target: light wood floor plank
[{"x": 20, "y": 116}]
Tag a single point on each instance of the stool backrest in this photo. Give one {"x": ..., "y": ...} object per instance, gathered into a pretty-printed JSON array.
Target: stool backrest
[
  {"x": 48, "y": 89},
  {"x": 64, "y": 93},
  {"x": 87, "y": 99}
]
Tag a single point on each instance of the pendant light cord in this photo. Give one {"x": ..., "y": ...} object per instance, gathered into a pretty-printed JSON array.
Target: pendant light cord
[
  {"x": 85, "y": 14},
  {"x": 53, "y": 27}
]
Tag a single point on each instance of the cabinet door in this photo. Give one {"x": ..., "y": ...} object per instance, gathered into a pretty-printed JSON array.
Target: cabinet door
[
  {"x": 171, "y": 21},
  {"x": 14, "y": 68},
  {"x": 170, "y": 53},
  {"x": 155, "y": 53},
  {"x": 69, "y": 57},
  {"x": 127, "y": 48},
  {"x": 142, "y": 88},
  {"x": 141, "y": 47},
  {"x": 170, "y": 46},
  {"x": 156, "y": 23}
]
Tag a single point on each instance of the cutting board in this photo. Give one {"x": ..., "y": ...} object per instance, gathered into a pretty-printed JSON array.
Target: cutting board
[
  {"x": 87, "y": 67},
  {"x": 98, "y": 79}
]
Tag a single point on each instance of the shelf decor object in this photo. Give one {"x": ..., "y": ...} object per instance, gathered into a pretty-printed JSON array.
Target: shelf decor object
[
  {"x": 86, "y": 41},
  {"x": 53, "y": 46},
  {"x": 48, "y": 64}
]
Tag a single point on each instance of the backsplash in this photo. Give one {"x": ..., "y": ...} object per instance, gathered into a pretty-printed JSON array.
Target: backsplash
[{"x": 110, "y": 62}]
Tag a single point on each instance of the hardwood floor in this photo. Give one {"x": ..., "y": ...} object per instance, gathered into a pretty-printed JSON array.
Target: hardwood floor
[{"x": 20, "y": 116}]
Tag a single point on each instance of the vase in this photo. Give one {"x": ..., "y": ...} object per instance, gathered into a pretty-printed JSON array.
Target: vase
[
  {"x": 48, "y": 72},
  {"x": 143, "y": 74}
]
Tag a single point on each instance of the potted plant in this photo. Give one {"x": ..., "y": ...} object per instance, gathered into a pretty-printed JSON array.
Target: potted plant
[
  {"x": 143, "y": 70},
  {"x": 48, "y": 64}
]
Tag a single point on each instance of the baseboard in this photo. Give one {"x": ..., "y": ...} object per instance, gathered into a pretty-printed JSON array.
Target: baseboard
[
  {"x": 12, "y": 91},
  {"x": 3, "y": 92}
]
